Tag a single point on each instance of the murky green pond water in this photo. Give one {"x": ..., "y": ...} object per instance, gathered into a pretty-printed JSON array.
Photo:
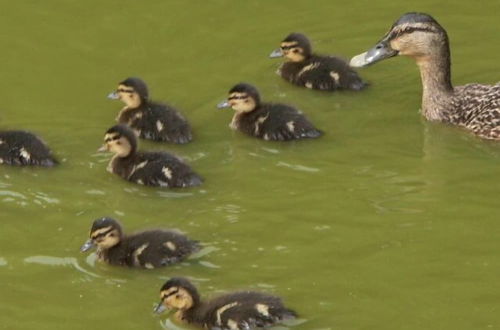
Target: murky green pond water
[{"x": 388, "y": 222}]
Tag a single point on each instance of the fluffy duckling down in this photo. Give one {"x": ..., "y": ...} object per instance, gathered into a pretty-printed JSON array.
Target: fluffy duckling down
[
  {"x": 147, "y": 249},
  {"x": 232, "y": 311},
  {"x": 149, "y": 119},
  {"x": 268, "y": 121},
  {"x": 142, "y": 167},
  {"x": 304, "y": 68},
  {"x": 23, "y": 149}
]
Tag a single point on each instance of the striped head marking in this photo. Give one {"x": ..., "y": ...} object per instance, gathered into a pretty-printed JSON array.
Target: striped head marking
[
  {"x": 117, "y": 144},
  {"x": 176, "y": 298},
  {"x": 128, "y": 95},
  {"x": 296, "y": 47}
]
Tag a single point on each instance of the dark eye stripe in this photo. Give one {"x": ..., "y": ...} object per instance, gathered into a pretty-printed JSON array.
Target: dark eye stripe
[
  {"x": 121, "y": 90},
  {"x": 237, "y": 97},
  {"x": 170, "y": 294},
  {"x": 116, "y": 137},
  {"x": 102, "y": 234}
]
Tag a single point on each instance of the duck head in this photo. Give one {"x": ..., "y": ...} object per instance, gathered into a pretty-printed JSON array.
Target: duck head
[
  {"x": 105, "y": 233},
  {"x": 131, "y": 91},
  {"x": 120, "y": 140},
  {"x": 417, "y": 35},
  {"x": 242, "y": 98},
  {"x": 177, "y": 293},
  {"x": 296, "y": 47}
]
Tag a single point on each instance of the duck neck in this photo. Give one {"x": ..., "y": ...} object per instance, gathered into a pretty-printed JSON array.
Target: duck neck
[{"x": 436, "y": 83}]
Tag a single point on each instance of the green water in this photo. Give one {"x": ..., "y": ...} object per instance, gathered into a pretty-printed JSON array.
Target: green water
[{"x": 387, "y": 222}]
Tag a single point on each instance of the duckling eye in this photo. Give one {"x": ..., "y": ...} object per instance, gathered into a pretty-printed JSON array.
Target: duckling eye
[
  {"x": 118, "y": 142},
  {"x": 178, "y": 296},
  {"x": 295, "y": 50}
]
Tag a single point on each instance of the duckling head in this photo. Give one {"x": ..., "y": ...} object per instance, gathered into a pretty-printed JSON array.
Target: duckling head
[
  {"x": 105, "y": 233},
  {"x": 243, "y": 97},
  {"x": 131, "y": 91},
  {"x": 177, "y": 293},
  {"x": 417, "y": 35},
  {"x": 296, "y": 47},
  {"x": 120, "y": 140}
]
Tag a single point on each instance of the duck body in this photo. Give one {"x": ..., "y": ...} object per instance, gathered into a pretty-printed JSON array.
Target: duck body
[
  {"x": 304, "y": 68},
  {"x": 155, "y": 169},
  {"x": 275, "y": 122},
  {"x": 158, "y": 122},
  {"x": 147, "y": 249},
  {"x": 326, "y": 73},
  {"x": 143, "y": 167},
  {"x": 475, "y": 107},
  {"x": 239, "y": 310},
  {"x": 150, "y": 120},
  {"x": 268, "y": 121},
  {"x": 232, "y": 311},
  {"x": 22, "y": 148}
]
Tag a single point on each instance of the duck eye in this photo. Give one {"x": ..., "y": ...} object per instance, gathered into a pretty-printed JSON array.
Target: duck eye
[
  {"x": 118, "y": 142},
  {"x": 178, "y": 296},
  {"x": 295, "y": 50}
]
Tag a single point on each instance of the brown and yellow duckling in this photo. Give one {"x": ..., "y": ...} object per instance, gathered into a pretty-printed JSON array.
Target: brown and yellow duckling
[
  {"x": 143, "y": 167},
  {"x": 148, "y": 249},
  {"x": 268, "y": 121},
  {"x": 22, "y": 148},
  {"x": 150, "y": 120},
  {"x": 419, "y": 36},
  {"x": 232, "y": 311},
  {"x": 304, "y": 68}
]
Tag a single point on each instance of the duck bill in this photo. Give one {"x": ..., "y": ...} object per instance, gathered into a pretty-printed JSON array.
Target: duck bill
[
  {"x": 160, "y": 308},
  {"x": 113, "y": 96},
  {"x": 379, "y": 52},
  {"x": 276, "y": 53},
  {"x": 87, "y": 245},
  {"x": 224, "y": 104},
  {"x": 103, "y": 148}
]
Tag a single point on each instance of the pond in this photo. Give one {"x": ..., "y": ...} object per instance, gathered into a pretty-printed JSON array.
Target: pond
[{"x": 386, "y": 222}]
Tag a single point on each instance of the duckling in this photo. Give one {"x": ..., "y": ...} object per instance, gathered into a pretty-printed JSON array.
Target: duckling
[
  {"x": 150, "y": 120},
  {"x": 269, "y": 121},
  {"x": 304, "y": 68},
  {"x": 474, "y": 106},
  {"x": 238, "y": 310},
  {"x": 24, "y": 148},
  {"x": 147, "y": 249},
  {"x": 147, "y": 168}
]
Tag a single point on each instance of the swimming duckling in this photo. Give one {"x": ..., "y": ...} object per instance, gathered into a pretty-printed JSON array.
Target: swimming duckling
[
  {"x": 238, "y": 310},
  {"x": 269, "y": 121},
  {"x": 148, "y": 249},
  {"x": 304, "y": 68},
  {"x": 147, "y": 168},
  {"x": 150, "y": 120},
  {"x": 473, "y": 106},
  {"x": 24, "y": 148}
]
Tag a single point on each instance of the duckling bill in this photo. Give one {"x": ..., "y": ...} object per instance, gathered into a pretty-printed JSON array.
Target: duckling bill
[
  {"x": 148, "y": 249},
  {"x": 304, "y": 68},
  {"x": 475, "y": 107},
  {"x": 142, "y": 167},
  {"x": 238, "y": 310},
  {"x": 149, "y": 119},
  {"x": 268, "y": 121},
  {"x": 22, "y": 148}
]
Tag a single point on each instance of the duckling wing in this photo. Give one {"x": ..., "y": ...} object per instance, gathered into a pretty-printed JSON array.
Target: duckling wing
[
  {"x": 157, "y": 248},
  {"x": 24, "y": 148},
  {"x": 163, "y": 169},
  {"x": 161, "y": 122},
  {"x": 246, "y": 310},
  {"x": 329, "y": 73},
  {"x": 282, "y": 122}
]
